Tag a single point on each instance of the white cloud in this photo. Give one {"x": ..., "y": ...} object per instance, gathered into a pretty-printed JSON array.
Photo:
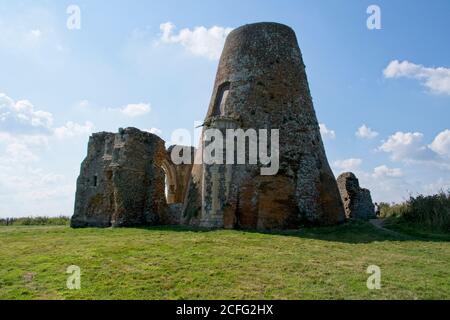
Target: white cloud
[
  {"x": 25, "y": 132},
  {"x": 19, "y": 39},
  {"x": 441, "y": 144},
  {"x": 83, "y": 104},
  {"x": 156, "y": 131},
  {"x": 23, "y": 189},
  {"x": 19, "y": 153},
  {"x": 20, "y": 149},
  {"x": 385, "y": 184},
  {"x": 437, "y": 186},
  {"x": 36, "y": 33},
  {"x": 327, "y": 133},
  {"x": 72, "y": 129},
  {"x": 365, "y": 132},
  {"x": 22, "y": 124},
  {"x": 38, "y": 140},
  {"x": 136, "y": 110},
  {"x": 437, "y": 80},
  {"x": 348, "y": 165},
  {"x": 386, "y": 172},
  {"x": 405, "y": 146},
  {"x": 23, "y": 114},
  {"x": 200, "y": 41}
]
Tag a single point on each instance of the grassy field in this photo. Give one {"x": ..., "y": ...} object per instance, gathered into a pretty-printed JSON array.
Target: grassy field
[{"x": 177, "y": 263}]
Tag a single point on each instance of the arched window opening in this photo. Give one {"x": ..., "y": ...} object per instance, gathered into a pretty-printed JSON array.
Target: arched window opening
[{"x": 221, "y": 99}]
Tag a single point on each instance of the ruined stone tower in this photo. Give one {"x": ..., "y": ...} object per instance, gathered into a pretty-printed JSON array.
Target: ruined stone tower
[
  {"x": 357, "y": 201},
  {"x": 129, "y": 179},
  {"x": 261, "y": 84},
  {"x": 121, "y": 182}
]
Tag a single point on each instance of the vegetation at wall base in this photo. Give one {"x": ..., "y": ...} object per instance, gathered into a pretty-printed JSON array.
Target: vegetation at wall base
[
  {"x": 427, "y": 216},
  {"x": 36, "y": 221}
]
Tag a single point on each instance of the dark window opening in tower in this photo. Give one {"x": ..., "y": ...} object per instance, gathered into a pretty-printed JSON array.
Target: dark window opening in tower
[
  {"x": 95, "y": 181},
  {"x": 221, "y": 99}
]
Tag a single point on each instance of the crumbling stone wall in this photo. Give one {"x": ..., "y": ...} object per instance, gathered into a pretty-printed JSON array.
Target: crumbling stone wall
[
  {"x": 121, "y": 182},
  {"x": 357, "y": 201},
  {"x": 261, "y": 84}
]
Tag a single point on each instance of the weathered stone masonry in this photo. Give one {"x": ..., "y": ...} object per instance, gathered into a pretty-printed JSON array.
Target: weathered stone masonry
[
  {"x": 261, "y": 83},
  {"x": 357, "y": 201},
  {"x": 122, "y": 181}
]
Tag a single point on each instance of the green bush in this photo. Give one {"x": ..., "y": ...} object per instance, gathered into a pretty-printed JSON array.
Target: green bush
[
  {"x": 35, "y": 221},
  {"x": 393, "y": 210},
  {"x": 427, "y": 212}
]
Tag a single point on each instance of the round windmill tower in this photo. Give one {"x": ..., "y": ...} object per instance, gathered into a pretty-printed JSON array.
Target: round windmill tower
[{"x": 261, "y": 83}]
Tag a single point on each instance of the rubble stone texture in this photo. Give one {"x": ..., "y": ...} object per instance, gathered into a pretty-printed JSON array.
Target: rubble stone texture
[
  {"x": 261, "y": 83},
  {"x": 357, "y": 201},
  {"x": 129, "y": 178},
  {"x": 122, "y": 181}
]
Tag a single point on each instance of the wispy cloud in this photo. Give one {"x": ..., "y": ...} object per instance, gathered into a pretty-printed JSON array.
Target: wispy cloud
[
  {"x": 384, "y": 171},
  {"x": 410, "y": 147},
  {"x": 136, "y": 109},
  {"x": 348, "y": 165},
  {"x": 364, "y": 132},
  {"x": 441, "y": 144},
  {"x": 404, "y": 146},
  {"x": 437, "y": 80},
  {"x": 72, "y": 129},
  {"x": 200, "y": 41},
  {"x": 23, "y": 115},
  {"x": 326, "y": 132}
]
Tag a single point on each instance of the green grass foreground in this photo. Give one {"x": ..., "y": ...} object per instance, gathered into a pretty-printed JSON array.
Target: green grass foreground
[{"x": 178, "y": 263}]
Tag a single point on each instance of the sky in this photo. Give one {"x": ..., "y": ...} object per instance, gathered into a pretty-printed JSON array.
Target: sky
[{"x": 382, "y": 96}]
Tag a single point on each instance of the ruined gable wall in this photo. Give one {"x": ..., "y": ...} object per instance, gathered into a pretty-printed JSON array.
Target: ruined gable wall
[
  {"x": 121, "y": 182},
  {"x": 138, "y": 178},
  {"x": 94, "y": 200},
  {"x": 357, "y": 201}
]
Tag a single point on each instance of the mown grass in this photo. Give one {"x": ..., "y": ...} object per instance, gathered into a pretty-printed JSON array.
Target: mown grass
[{"x": 178, "y": 263}]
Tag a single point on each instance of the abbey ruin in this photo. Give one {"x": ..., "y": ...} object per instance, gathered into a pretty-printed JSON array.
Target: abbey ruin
[{"x": 130, "y": 179}]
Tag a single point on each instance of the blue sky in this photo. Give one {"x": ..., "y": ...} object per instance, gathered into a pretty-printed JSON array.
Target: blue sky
[{"x": 151, "y": 64}]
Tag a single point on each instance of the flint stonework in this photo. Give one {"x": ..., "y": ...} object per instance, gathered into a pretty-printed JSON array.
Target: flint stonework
[
  {"x": 122, "y": 182},
  {"x": 130, "y": 179},
  {"x": 261, "y": 83},
  {"x": 357, "y": 201}
]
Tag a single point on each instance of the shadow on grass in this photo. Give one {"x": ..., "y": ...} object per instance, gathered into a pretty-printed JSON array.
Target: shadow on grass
[
  {"x": 399, "y": 226},
  {"x": 351, "y": 232}
]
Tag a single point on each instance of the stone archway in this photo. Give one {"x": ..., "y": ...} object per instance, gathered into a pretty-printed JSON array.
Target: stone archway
[
  {"x": 177, "y": 176},
  {"x": 171, "y": 182}
]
